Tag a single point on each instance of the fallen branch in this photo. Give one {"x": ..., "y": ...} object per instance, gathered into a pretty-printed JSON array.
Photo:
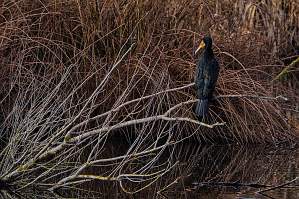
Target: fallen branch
[
  {"x": 128, "y": 103},
  {"x": 130, "y": 177},
  {"x": 253, "y": 96},
  {"x": 278, "y": 186},
  {"x": 72, "y": 137},
  {"x": 238, "y": 184},
  {"x": 171, "y": 90},
  {"x": 230, "y": 184},
  {"x": 72, "y": 140},
  {"x": 176, "y": 181}
]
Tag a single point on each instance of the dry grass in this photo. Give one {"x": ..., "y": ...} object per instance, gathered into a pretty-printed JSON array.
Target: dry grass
[{"x": 74, "y": 72}]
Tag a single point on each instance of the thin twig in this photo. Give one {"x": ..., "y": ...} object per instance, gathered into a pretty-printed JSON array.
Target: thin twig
[
  {"x": 253, "y": 96},
  {"x": 278, "y": 186},
  {"x": 128, "y": 103}
]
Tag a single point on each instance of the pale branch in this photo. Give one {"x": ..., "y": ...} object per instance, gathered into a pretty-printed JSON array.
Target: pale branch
[
  {"x": 155, "y": 118},
  {"x": 105, "y": 178},
  {"x": 155, "y": 177},
  {"x": 95, "y": 177},
  {"x": 278, "y": 186},
  {"x": 228, "y": 184},
  {"x": 128, "y": 103},
  {"x": 91, "y": 97},
  {"x": 77, "y": 138},
  {"x": 119, "y": 178},
  {"x": 253, "y": 96},
  {"x": 142, "y": 153},
  {"x": 139, "y": 121},
  {"x": 170, "y": 90},
  {"x": 71, "y": 140},
  {"x": 160, "y": 192},
  {"x": 71, "y": 177}
]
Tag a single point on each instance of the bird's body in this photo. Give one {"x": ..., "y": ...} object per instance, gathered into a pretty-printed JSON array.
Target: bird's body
[{"x": 205, "y": 78}]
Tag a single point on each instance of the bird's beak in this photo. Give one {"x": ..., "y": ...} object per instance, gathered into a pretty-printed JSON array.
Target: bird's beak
[{"x": 201, "y": 45}]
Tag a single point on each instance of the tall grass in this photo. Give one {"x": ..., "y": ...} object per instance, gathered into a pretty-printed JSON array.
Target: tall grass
[{"x": 75, "y": 72}]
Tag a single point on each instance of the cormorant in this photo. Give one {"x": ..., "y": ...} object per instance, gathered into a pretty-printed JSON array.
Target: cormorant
[{"x": 206, "y": 76}]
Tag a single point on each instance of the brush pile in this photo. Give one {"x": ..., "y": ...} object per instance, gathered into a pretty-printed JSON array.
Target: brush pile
[{"x": 75, "y": 72}]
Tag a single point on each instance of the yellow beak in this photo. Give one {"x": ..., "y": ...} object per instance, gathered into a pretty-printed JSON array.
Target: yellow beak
[{"x": 201, "y": 45}]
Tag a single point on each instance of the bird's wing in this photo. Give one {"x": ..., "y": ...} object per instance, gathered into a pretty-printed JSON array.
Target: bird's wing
[
  {"x": 197, "y": 78},
  {"x": 206, "y": 84},
  {"x": 214, "y": 73},
  {"x": 210, "y": 79}
]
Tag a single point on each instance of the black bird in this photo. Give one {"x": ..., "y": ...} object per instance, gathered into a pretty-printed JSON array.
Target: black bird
[{"x": 206, "y": 76}]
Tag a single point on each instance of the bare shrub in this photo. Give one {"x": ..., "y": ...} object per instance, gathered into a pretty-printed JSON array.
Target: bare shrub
[{"x": 76, "y": 72}]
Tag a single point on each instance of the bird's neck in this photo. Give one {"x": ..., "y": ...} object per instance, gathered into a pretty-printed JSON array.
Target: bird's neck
[{"x": 208, "y": 52}]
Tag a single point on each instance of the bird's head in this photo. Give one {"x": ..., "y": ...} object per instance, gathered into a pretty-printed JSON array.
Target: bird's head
[{"x": 206, "y": 43}]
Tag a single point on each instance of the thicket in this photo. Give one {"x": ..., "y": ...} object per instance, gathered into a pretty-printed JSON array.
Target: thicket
[{"x": 75, "y": 72}]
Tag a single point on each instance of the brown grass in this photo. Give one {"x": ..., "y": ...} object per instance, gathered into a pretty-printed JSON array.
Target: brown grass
[
  {"x": 45, "y": 38},
  {"x": 65, "y": 63}
]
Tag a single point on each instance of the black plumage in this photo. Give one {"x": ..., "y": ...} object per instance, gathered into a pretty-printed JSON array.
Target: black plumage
[{"x": 206, "y": 76}]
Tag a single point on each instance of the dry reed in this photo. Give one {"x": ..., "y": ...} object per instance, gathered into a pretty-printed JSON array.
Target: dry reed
[{"x": 74, "y": 72}]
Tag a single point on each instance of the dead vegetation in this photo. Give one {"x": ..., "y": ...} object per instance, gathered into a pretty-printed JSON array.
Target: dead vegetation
[{"x": 74, "y": 72}]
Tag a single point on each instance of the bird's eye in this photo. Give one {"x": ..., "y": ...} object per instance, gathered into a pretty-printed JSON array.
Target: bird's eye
[{"x": 201, "y": 45}]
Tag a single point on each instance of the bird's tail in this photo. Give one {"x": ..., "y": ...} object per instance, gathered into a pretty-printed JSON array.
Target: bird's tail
[{"x": 202, "y": 108}]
